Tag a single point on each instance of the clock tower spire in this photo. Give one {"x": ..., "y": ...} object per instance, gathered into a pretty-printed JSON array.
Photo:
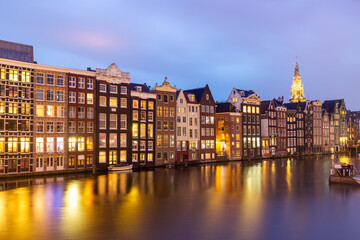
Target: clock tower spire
[{"x": 297, "y": 89}]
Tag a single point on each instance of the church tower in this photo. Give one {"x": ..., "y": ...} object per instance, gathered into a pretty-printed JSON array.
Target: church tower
[{"x": 297, "y": 89}]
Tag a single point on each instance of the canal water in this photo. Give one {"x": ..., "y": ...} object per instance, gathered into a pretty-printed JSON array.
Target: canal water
[{"x": 272, "y": 199}]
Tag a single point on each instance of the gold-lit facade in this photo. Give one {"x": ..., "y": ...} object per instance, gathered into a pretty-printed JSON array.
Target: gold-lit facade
[
  {"x": 50, "y": 119},
  {"x": 297, "y": 89}
]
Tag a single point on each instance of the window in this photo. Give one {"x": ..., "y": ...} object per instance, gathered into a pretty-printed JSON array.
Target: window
[
  {"x": 135, "y": 130},
  {"x": 123, "y": 156},
  {"x": 123, "y": 121},
  {"x": 90, "y": 113},
  {"x": 40, "y": 95},
  {"x": 159, "y": 140},
  {"x": 60, "y": 111},
  {"x": 166, "y": 111},
  {"x": 150, "y": 116},
  {"x": 142, "y": 116},
  {"x": 143, "y": 104},
  {"x": 13, "y": 75},
  {"x": 2, "y": 145},
  {"x": 113, "y": 102},
  {"x": 166, "y": 98},
  {"x": 72, "y": 127},
  {"x": 112, "y": 157},
  {"x": 113, "y": 89},
  {"x": 81, "y": 97},
  {"x": 50, "y": 144},
  {"x": 166, "y": 125},
  {"x": 102, "y": 157},
  {"x": 81, "y": 144},
  {"x": 150, "y": 145},
  {"x": 89, "y": 144},
  {"x": 40, "y": 127},
  {"x": 102, "y": 88},
  {"x": 150, "y": 130},
  {"x": 142, "y": 130},
  {"x": 123, "y": 103},
  {"x": 159, "y": 111},
  {"x": 90, "y": 127},
  {"x": 135, "y": 104},
  {"x": 102, "y": 140},
  {"x": 172, "y": 112},
  {"x": 50, "y": 95},
  {"x": 72, "y": 97},
  {"x": 135, "y": 115},
  {"x": 59, "y": 127},
  {"x": 72, "y": 112},
  {"x": 113, "y": 121},
  {"x": 102, "y": 121},
  {"x": 40, "y": 78},
  {"x": 151, "y": 105},
  {"x": 81, "y": 127},
  {"x": 90, "y": 98},
  {"x": 50, "y": 111},
  {"x": 60, "y": 96},
  {"x": 81, "y": 83},
  {"x": 72, "y": 82},
  {"x": 60, "y": 80},
  {"x": 113, "y": 140},
  {"x": 123, "y": 140},
  {"x": 50, "y": 79},
  {"x": 39, "y": 145},
  {"x": 134, "y": 145},
  {"x": 50, "y": 127},
  {"x": 207, "y": 96},
  {"x": 81, "y": 112},
  {"x": 172, "y": 126},
  {"x": 123, "y": 90},
  {"x": 90, "y": 83},
  {"x": 89, "y": 160},
  {"x": 142, "y": 145},
  {"x": 102, "y": 101}
]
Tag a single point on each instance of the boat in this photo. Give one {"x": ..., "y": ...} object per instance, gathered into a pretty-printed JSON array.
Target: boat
[
  {"x": 357, "y": 178},
  {"x": 120, "y": 168}
]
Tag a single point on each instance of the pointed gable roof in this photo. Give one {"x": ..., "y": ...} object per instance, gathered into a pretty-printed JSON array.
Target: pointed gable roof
[{"x": 198, "y": 92}]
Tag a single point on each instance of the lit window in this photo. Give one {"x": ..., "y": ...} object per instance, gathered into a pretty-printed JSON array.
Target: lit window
[
  {"x": 113, "y": 102},
  {"x": 59, "y": 144},
  {"x": 102, "y": 157},
  {"x": 81, "y": 144},
  {"x": 40, "y": 111},
  {"x": 90, "y": 98},
  {"x": 151, "y": 105},
  {"x": 50, "y": 111},
  {"x": 135, "y": 130},
  {"x": 72, "y": 144},
  {"x": 2, "y": 145},
  {"x": 143, "y": 104},
  {"x": 89, "y": 144},
  {"x": 135, "y": 104},
  {"x": 39, "y": 145},
  {"x": 142, "y": 130},
  {"x": 25, "y": 145},
  {"x": 49, "y": 144},
  {"x": 123, "y": 156}
]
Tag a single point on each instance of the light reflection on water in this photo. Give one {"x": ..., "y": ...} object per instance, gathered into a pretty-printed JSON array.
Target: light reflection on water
[{"x": 270, "y": 199}]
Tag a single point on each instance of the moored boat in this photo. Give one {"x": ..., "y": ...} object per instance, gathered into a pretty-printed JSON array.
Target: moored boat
[
  {"x": 357, "y": 178},
  {"x": 120, "y": 168}
]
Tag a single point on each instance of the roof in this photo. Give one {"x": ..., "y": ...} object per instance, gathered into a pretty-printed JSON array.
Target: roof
[
  {"x": 247, "y": 93},
  {"x": 198, "y": 92},
  {"x": 264, "y": 105},
  {"x": 187, "y": 97},
  {"x": 330, "y": 104},
  {"x": 225, "y": 107},
  {"x": 144, "y": 87}
]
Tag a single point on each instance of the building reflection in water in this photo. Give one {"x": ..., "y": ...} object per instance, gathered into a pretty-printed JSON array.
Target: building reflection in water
[{"x": 241, "y": 197}]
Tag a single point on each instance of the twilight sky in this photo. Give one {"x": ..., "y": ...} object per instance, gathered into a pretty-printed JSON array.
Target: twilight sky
[{"x": 248, "y": 44}]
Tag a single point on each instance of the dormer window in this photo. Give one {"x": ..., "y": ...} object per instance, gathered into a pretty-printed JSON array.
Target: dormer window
[
  {"x": 138, "y": 88},
  {"x": 192, "y": 98},
  {"x": 242, "y": 93}
]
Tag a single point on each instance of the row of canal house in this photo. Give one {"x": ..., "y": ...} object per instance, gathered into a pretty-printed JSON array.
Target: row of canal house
[{"x": 54, "y": 118}]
